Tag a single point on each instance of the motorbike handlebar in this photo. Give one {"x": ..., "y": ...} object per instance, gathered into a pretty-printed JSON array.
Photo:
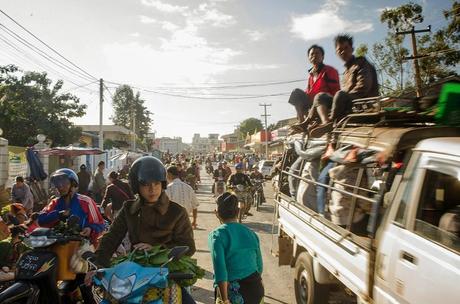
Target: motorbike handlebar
[{"x": 180, "y": 276}]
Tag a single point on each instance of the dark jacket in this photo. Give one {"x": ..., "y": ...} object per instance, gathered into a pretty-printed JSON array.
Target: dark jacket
[
  {"x": 239, "y": 179},
  {"x": 117, "y": 193},
  {"x": 163, "y": 223},
  {"x": 84, "y": 178},
  {"x": 360, "y": 79}
]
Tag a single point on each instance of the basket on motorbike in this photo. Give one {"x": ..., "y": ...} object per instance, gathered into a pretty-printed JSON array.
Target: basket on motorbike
[{"x": 64, "y": 253}]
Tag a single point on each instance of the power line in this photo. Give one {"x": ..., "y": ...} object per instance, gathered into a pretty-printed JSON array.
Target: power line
[
  {"x": 44, "y": 43},
  {"x": 39, "y": 64},
  {"x": 248, "y": 85},
  {"x": 41, "y": 53},
  {"x": 79, "y": 87}
]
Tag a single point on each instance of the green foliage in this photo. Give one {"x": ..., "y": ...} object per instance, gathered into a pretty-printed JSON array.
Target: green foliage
[
  {"x": 158, "y": 256},
  {"x": 31, "y": 104},
  {"x": 250, "y": 125},
  {"x": 402, "y": 17},
  {"x": 396, "y": 74},
  {"x": 128, "y": 106}
]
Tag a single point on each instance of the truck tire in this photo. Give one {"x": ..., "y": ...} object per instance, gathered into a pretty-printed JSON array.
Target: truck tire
[{"x": 307, "y": 290}]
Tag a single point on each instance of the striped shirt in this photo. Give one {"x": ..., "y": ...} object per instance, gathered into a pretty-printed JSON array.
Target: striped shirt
[{"x": 181, "y": 193}]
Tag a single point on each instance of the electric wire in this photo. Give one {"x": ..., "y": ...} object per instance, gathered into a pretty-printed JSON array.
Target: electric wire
[
  {"x": 42, "y": 53},
  {"x": 44, "y": 43}
]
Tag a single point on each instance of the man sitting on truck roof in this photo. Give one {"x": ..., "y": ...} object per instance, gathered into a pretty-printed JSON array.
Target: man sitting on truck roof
[
  {"x": 359, "y": 81},
  {"x": 323, "y": 82}
]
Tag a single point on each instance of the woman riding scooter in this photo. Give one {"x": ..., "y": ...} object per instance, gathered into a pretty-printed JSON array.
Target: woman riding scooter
[{"x": 151, "y": 219}]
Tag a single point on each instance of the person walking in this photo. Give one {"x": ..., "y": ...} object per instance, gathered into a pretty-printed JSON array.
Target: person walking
[
  {"x": 85, "y": 178},
  {"x": 99, "y": 182},
  {"x": 182, "y": 193},
  {"x": 236, "y": 256},
  {"x": 116, "y": 193}
]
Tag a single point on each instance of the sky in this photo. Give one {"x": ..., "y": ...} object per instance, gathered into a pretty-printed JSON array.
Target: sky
[{"x": 202, "y": 66}]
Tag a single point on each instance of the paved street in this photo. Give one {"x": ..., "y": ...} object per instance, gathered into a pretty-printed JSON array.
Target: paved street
[{"x": 278, "y": 281}]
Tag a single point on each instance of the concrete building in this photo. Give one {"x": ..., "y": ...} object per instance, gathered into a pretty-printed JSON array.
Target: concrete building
[
  {"x": 121, "y": 136},
  {"x": 208, "y": 144},
  {"x": 171, "y": 145},
  {"x": 229, "y": 142}
]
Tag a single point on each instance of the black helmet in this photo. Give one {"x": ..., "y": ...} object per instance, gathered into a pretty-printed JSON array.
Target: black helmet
[{"x": 146, "y": 169}]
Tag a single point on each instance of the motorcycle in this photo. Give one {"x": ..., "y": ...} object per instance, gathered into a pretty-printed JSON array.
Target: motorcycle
[
  {"x": 129, "y": 282},
  {"x": 39, "y": 270},
  {"x": 219, "y": 186},
  {"x": 258, "y": 192},
  {"x": 244, "y": 201}
]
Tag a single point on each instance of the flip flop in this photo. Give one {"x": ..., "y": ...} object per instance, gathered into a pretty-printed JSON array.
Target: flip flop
[{"x": 321, "y": 130}]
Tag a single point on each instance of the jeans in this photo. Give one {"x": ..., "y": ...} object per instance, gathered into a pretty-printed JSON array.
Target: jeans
[{"x": 322, "y": 191}]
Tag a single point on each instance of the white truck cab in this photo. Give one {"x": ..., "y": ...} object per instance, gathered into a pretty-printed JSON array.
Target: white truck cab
[{"x": 418, "y": 251}]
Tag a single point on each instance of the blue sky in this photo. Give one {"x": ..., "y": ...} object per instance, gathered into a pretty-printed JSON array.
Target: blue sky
[{"x": 181, "y": 47}]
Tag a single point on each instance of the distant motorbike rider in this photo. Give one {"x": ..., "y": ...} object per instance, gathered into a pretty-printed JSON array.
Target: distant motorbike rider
[
  {"x": 220, "y": 174},
  {"x": 240, "y": 178},
  {"x": 257, "y": 175}
]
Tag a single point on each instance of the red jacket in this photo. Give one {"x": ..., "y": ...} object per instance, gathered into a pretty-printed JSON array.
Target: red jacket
[{"x": 326, "y": 82}]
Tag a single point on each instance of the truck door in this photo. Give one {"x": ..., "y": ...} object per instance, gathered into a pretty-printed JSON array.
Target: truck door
[{"x": 418, "y": 258}]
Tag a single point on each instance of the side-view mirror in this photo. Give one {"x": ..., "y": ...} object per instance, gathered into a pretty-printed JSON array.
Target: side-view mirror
[{"x": 177, "y": 252}]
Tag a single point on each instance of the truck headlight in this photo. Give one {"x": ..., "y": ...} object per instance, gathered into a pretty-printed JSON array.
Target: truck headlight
[{"x": 120, "y": 288}]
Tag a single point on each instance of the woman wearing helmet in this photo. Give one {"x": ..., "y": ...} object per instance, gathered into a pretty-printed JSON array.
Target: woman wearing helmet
[
  {"x": 151, "y": 219},
  {"x": 69, "y": 203}
]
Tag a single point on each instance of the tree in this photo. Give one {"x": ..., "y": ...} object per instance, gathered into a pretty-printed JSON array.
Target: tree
[
  {"x": 396, "y": 75},
  {"x": 31, "y": 104},
  {"x": 250, "y": 125},
  {"x": 129, "y": 107}
]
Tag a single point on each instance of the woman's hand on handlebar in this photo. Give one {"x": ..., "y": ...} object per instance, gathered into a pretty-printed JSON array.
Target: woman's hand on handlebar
[{"x": 143, "y": 246}]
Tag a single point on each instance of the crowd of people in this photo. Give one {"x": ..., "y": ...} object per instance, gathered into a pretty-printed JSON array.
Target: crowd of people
[{"x": 158, "y": 204}]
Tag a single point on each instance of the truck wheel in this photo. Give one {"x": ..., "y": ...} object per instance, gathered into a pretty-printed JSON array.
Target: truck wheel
[{"x": 307, "y": 291}]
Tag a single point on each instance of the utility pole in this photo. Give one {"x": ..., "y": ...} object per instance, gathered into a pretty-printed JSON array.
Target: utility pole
[
  {"x": 265, "y": 115},
  {"x": 415, "y": 56},
  {"x": 134, "y": 131},
  {"x": 237, "y": 127},
  {"x": 101, "y": 101}
]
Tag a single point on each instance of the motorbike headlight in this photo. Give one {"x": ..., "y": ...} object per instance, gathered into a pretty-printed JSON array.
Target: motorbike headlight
[
  {"x": 39, "y": 241},
  {"x": 120, "y": 288}
]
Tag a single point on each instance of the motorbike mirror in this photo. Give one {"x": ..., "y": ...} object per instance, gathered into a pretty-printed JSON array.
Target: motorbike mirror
[{"x": 177, "y": 252}]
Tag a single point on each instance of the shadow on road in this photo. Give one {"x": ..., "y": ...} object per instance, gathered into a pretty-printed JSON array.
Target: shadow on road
[
  {"x": 274, "y": 299},
  {"x": 261, "y": 227}
]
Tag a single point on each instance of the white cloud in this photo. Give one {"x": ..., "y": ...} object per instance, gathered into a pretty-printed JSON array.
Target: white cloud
[
  {"x": 147, "y": 20},
  {"x": 255, "y": 35},
  {"x": 169, "y": 26},
  {"x": 211, "y": 15},
  {"x": 164, "y": 7},
  {"x": 135, "y": 35},
  {"x": 326, "y": 22}
]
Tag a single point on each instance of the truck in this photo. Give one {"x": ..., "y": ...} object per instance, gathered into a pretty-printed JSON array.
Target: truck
[{"x": 405, "y": 188}]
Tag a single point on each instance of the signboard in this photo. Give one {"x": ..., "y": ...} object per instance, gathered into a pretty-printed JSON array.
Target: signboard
[{"x": 17, "y": 164}]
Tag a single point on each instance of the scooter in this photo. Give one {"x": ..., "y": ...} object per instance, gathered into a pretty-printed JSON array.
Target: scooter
[
  {"x": 219, "y": 187},
  {"x": 244, "y": 201},
  {"x": 38, "y": 270},
  {"x": 258, "y": 191},
  {"x": 129, "y": 282}
]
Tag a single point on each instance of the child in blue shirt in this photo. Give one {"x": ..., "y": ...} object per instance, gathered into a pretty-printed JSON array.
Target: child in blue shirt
[{"x": 236, "y": 257}]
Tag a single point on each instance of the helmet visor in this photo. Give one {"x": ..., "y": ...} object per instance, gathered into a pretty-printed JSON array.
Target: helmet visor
[{"x": 59, "y": 181}]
